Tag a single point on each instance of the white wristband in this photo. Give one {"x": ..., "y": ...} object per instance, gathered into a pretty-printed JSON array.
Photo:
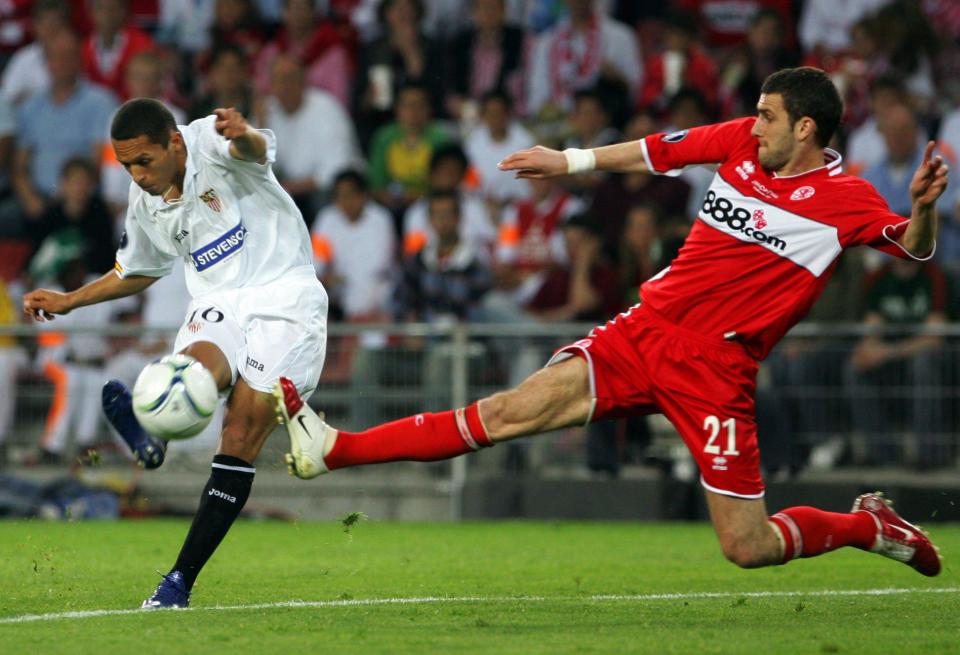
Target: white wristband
[{"x": 579, "y": 161}]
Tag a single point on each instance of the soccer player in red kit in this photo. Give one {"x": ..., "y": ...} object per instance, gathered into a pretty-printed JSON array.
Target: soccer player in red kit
[{"x": 777, "y": 216}]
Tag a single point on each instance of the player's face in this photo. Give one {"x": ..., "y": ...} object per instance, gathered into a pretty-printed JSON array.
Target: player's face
[
  {"x": 774, "y": 132},
  {"x": 153, "y": 167}
]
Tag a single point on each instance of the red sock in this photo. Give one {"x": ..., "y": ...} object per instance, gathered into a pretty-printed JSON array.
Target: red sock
[
  {"x": 421, "y": 438},
  {"x": 808, "y": 531}
]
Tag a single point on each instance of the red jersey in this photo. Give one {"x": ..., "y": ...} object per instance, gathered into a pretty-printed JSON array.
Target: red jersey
[{"x": 762, "y": 247}]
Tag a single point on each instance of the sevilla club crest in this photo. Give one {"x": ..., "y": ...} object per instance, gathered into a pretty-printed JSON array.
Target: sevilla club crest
[{"x": 212, "y": 200}]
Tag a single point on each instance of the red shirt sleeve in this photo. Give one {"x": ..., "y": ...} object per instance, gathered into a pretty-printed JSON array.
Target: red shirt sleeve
[
  {"x": 709, "y": 144},
  {"x": 871, "y": 223}
]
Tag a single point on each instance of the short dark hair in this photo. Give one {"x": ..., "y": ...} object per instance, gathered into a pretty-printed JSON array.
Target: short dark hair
[
  {"x": 449, "y": 151},
  {"x": 498, "y": 94},
  {"x": 80, "y": 164},
  {"x": 585, "y": 221},
  {"x": 143, "y": 117},
  {"x": 808, "y": 91},
  {"x": 351, "y": 176},
  {"x": 443, "y": 194}
]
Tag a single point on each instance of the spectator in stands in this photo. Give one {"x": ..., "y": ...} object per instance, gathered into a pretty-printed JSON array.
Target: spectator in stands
[
  {"x": 354, "y": 248},
  {"x": 486, "y": 57},
  {"x": 641, "y": 250},
  {"x": 590, "y": 128},
  {"x": 145, "y": 78},
  {"x": 78, "y": 205},
  {"x": 617, "y": 194},
  {"x": 443, "y": 283},
  {"x": 227, "y": 84},
  {"x": 907, "y": 43},
  {"x": 825, "y": 24},
  {"x": 317, "y": 44},
  {"x": 866, "y": 146},
  {"x": 68, "y": 120},
  {"x": 765, "y": 51},
  {"x": 400, "y": 151},
  {"x": 888, "y": 371},
  {"x": 905, "y": 144},
  {"x": 725, "y": 24},
  {"x": 26, "y": 72},
  {"x": 948, "y": 238},
  {"x": 107, "y": 51},
  {"x": 185, "y": 24},
  {"x": 530, "y": 242},
  {"x": 314, "y": 133},
  {"x": 402, "y": 56},
  {"x": 11, "y": 358},
  {"x": 448, "y": 168},
  {"x": 683, "y": 63},
  {"x": 73, "y": 363},
  {"x": 237, "y": 22},
  {"x": 10, "y": 215},
  {"x": 583, "y": 48},
  {"x": 498, "y": 135}
]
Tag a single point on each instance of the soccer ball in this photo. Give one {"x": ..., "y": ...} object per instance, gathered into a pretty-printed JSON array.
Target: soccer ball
[{"x": 174, "y": 397}]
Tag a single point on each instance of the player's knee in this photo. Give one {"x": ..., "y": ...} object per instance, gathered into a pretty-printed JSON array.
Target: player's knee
[{"x": 744, "y": 552}]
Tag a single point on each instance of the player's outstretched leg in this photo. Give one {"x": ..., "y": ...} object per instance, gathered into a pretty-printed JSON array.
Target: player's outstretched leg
[
  {"x": 117, "y": 403},
  {"x": 554, "y": 397},
  {"x": 871, "y": 525},
  {"x": 316, "y": 448}
]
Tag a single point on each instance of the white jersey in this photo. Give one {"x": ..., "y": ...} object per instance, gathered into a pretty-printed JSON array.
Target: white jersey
[{"x": 234, "y": 225}]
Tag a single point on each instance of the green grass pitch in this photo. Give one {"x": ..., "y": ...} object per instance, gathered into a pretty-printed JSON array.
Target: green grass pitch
[{"x": 483, "y": 588}]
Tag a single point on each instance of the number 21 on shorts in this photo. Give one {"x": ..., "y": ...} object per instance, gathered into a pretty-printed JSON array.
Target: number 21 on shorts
[{"x": 713, "y": 425}]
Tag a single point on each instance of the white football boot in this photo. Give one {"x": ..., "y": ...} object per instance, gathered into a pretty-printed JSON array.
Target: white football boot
[{"x": 311, "y": 439}]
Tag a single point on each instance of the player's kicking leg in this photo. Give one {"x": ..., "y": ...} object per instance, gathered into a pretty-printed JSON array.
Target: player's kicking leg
[
  {"x": 554, "y": 397},
  {"x": 117, "y": 403},
  {"x": 248, "y": 421},
  {"x": 749, "y": 538},
  {"x": 148, "y": 450}
]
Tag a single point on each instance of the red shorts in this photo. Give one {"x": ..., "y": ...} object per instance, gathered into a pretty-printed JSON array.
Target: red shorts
[{"x": 642, "y": 364}]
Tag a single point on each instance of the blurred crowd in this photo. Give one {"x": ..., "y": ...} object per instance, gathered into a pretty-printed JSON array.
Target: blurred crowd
[{"x": 391, "y": 116}]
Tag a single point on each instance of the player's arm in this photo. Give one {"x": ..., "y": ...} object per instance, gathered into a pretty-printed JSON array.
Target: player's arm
[
  {"x": 42, "y": 304},
  {"x": 539, "y": 162},
  {"x": 246, "y": 143},
  {"x": 929, "y": 182}
]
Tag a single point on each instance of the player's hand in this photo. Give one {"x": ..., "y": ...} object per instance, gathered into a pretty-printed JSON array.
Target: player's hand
[
  {"x": 536, "y": 162},
  {"x": 930, "y": 179},
  {"x": 230, "y": 123},
  {"x": 42, "y": 304}
]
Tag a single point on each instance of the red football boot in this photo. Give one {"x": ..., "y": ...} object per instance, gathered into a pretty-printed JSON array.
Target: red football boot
[
  {"x": 898, "y": 539},
  {"x": 310, "y": 437}
]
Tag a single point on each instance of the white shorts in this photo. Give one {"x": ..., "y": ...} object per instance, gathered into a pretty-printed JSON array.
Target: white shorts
[{"x": 265, "y": 331}]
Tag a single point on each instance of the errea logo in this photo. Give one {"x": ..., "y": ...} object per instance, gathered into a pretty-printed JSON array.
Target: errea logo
[
  {"x": 803, "y": 193},
  {"x": 746, "y": 169}
]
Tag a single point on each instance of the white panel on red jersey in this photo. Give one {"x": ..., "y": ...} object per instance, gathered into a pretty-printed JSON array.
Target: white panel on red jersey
[{"x": 807, "y": 243}]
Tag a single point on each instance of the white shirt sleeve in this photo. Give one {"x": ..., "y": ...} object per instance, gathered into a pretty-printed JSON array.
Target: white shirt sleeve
[{"x": 137, "y": 255}]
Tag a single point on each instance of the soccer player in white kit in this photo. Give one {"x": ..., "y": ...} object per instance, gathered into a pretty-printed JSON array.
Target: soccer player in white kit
[{"x": 205, "y": 194}]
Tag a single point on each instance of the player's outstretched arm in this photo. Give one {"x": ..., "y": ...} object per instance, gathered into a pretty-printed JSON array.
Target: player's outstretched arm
[
  {"x": 539, "y": 162},
  {"x": 928, "y": 184},
  {"x": 245, "y": 142},
  {"x": 42, "y": 304}
]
